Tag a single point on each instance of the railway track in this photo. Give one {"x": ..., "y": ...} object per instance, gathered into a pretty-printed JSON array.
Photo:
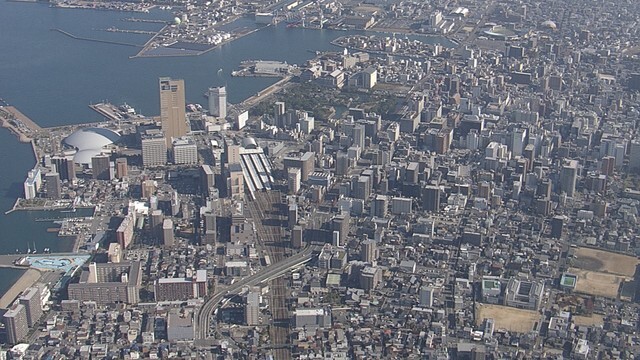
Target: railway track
[{"x": 268, "y": 220}]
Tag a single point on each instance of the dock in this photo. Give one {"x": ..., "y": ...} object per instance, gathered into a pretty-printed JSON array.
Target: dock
[{"x": 107, "y": 110}]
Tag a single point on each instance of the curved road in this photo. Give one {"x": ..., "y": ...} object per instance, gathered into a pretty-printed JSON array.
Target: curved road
[{"x": 203, "y": 319}]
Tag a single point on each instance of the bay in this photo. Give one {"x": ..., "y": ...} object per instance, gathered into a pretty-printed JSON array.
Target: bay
[
  {"x": 52, "y": 78},
  {"x": 8, "y": 276}
]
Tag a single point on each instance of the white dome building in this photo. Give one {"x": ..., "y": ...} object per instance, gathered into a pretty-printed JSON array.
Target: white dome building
[{"x": 90, "y": 142}]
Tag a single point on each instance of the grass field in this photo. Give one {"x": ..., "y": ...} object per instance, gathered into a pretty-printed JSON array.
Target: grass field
[
  {"x": 597, "y": 283},
  {"x": 606, "y": 262},
  {"x": 508, "y": 318}
]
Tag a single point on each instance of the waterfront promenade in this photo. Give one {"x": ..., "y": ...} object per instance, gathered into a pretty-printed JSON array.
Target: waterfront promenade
[{"x": 18, "y": 123}]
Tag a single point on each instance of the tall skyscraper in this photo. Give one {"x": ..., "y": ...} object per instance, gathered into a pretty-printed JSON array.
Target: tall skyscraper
[
  {"x": 293, "y": 180},
  {"x": 207, "y": 179},
  {"x": 209, "y": 227},
  {"x": 167, "y": 233},
  {"x": 358, "y": 136},
  {"x": 368, "y": 250},
  {"x": 431, "y": 198},
  {"x": 634, "y": 156},
  {"x": 31, "y": 300},
  {"x": 379, "y": 206},
  {"x": 52, "y": 184},
  {"x": 341, "y": 223},
  {"x": 569, "y": 177},
  {"x": 100, "y": 167},
  {"x": 65, "y": 167},
  {"x": 172, "y": 109},
  {"x": 121, "y": 168},
  {"x": 218, "y": 101},
  {"x": 15, "y": 322}
]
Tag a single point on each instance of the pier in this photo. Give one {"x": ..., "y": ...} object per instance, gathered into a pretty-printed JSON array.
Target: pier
[{"x": 107, "y": 110}]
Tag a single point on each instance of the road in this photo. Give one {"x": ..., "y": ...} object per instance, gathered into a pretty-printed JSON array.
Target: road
[{"x": 276, "y": 269}]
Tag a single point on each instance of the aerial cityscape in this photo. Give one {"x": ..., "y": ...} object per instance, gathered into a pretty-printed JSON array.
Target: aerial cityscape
[{"x": 320, "y": 179}]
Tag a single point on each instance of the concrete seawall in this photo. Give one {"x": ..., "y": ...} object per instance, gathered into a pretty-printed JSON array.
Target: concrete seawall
[{"x": 30, "y": 277}]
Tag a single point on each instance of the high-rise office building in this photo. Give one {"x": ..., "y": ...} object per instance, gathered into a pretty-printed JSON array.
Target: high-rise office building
[
  {"x": 431, "y": 198},
  {"x": 100, "y": 167},
  {"x": 608, "y": 165},
  {"x": 52, "y": 185},
  {"x": 379, "y": 206},
  {"x": 207, "y": 178},
  {"x": 368, "y": 251},
  {"x": 361, "y": 187},
  {"x": 293, "y": 215},
  {"x": 172, "y": 109},
  {"x": 156, "y": 219},
  {"x": 31, "y": 300},
  {"x": 341, "y": 223},
  {"x": 278, "y": 112},
  {"x": 296, "y": 237},
  {"x": 167, "y": 232},
  {"x": 231, "y": 155},
  {"x": 369, "y": 77},
  {"x": 342, "y": 164},
  {"x": 209, "y": 227},
  {"x": 124, "y": 233},
  {"x": 185, "y": 151},
  {"x": 634, "y": 156},
  {"x": 235, "y": 182},
  {"x": 305, "y": 163},
  {"x": 359, "y": 135},
  {"x": 569, "y": 177},
  {"x": 370, "y": 277},
  {"x": 121, "y": 168},
  {"x": 65, "y": 167},
  {"x": 218, "y": 101},
  {"x": 154, "y": 150},
  {"x": 557, "y": 223},
  {"x": 15, "y": 322},
  {"x": 293, "y": 179}
]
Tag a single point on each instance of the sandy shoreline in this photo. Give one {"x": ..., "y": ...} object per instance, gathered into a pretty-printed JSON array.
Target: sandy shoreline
[{"x": 30, "y": 277}]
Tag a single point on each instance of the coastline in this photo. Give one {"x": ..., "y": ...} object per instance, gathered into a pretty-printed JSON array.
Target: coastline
[{"x": 27, "y": 279}]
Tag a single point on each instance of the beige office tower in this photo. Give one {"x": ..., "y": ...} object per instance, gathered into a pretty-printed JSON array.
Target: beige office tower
[{"x": 172, "y": 109}]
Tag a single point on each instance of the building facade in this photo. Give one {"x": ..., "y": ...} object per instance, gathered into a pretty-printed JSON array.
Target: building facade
[{"x": 172, "y": 109}]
